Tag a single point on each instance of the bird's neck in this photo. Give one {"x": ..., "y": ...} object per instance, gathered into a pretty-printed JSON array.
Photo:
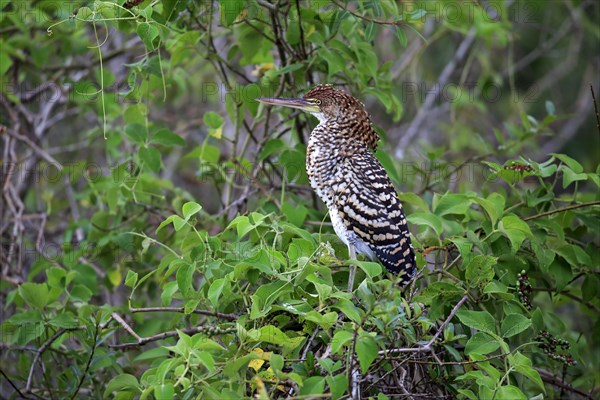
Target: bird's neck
[{"x": 347, "y": 130}]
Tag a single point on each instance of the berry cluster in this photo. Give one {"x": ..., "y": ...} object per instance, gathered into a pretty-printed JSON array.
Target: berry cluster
[
  {"x": 549, "y": 345},
  {"x": 131, "y": 3},
  {"x": 524, "y": 289},
  {"x": 519, "y": 167}
]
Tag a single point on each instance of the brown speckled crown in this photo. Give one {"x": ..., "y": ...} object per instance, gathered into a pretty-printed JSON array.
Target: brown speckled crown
[{"x": 346, "y": 110}]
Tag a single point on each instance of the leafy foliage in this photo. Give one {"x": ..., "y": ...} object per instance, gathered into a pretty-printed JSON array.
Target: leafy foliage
[{"x": 181, "y": 254}]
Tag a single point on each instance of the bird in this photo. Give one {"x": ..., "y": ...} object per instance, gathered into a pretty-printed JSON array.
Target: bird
[{"x": 363, "y": 205}]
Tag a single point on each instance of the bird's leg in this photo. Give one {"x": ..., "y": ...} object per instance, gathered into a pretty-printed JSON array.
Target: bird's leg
[{"x": 352, "y": 255}]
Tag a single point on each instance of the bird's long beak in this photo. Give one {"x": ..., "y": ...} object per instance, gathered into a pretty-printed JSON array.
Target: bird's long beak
[{"x": 300, "y": 104}]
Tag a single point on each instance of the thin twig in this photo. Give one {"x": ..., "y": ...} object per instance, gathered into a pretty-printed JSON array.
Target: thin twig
[
  {"x": 398, "y": 22},
  {"x": 188, "y": 331},
  {"x": 228, "y": 317},
  {"x": 37, "y": 149},
  {"x": 309, "y": 342},
  {"x": 89, "y": 362},
  {"x": 549, "y": 378},
  {"x": 424, "y": 111},
  {"x": 41, "y": 350},
  {"x": 458, "y": 362},
  {"x": 10, "y": 382},
  {"x": 565, "y": 293},
  {"x": 563, "y": 209},
  {"x": 125, "y": 325},
  {"x": 427, "y": 346},
  {"x": 595, "y": 108}
]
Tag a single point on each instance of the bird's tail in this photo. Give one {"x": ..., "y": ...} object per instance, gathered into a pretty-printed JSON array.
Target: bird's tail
[{"x": 399, "y": 259}]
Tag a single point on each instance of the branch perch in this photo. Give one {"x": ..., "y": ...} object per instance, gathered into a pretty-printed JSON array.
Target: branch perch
[
  {"x": 428, "y": 346},
  {"x": 228, "y": 317}
]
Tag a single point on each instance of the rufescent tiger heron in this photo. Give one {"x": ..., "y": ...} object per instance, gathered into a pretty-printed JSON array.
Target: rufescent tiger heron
[{"x": 340, "y": 162}]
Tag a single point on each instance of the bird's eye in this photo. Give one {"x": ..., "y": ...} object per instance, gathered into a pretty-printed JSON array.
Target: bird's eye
[{"x": 317, "y": 102}]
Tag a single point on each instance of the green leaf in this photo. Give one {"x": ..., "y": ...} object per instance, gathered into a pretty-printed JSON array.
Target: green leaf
[
  {"x": 509, "y": 392},
  {"x": 561, "y": 272},
  {"x": 131, "y": 279},
  {"x": 35, "y": 294},
  {"x": 166, "y": 222},
  {"x": 57, "y": 277},
  {"x": 569, "y": 176},
  {"x": 122, "y": 383},
  {"x": 550, "y": 109},
  {"x": 233, "y": 366},
  {"x": 5, "y": 62},
  {"x": 207, "y": 154},
  {"x": 513, "y": 324},
  {"x": 84, "y": 13},
  {"x": 313, "y": 385},
  {"x": 416, "y": 201},
  {"x": 325, "y": 321},
  {"x": 481, "y": 343},
  {"x": 515, "y": 229},
  {"x": 190, "y": 208},
  {"x": 147, "y": 33},
  {"x": 265, "y": 296},
  {"x": 137, "y": 132},
  {"x": 81, "y": 293},
  {"x": 480, "y": 270},
  {"x": 452, "y": 203},
  {"x": 493, "y": 206},
  {"x": 151, "y": 157},
  {"x": 480, "y": 320},
  {"x": 427, "y": 219},
  {"x": 417, "y": 14},
  {"x": 229, "y": 11},
  {"x": 213, "y": 120},
  {"x": 495, "y": 287},
  {"x": 243, "y": 226},
  {"x": 338, "y": 384},
  {"x": 571, "y": 163},
  {"x": 366, "y": 350},
  {"x": 215, "y": 290},
  {"x": 215, "y": 124},
  {"x": 207, "y": 360},
  {"x": 292, "y": 33},
  {"x": 288, "y": 68},
  {"x": 372, "y": 269},
  {"x": 168, "y": 138},
  {"x": 167, "y": 293},
  {"x": 272, "y": 146},
  {"x": 277, "y": 362},
  {"x": 340, "y": 339},
  {"x": 65, "y": 320},
  {"x": 184, "y": 278},
  {"x": 272, "y": 334},
  {"x": 335, "y": 62},
  {"x": 349, "y": 309},
  {"x": 295, "y": 214},
  {"x": 523, "y": 366},
  {"x": 164, "y": 391}
]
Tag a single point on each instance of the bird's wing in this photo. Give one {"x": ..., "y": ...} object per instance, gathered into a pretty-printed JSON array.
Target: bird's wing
[{"x": 369, "y": 206}]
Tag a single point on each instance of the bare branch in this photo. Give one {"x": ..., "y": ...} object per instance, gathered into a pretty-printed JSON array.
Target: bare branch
[
  {"x": 125, "y": 325},
  {"x": 595, "y": 108},
  {"x": 428, "y": 346},
  {"x": 188, "y": 331},
  {"x": 42, "y": 349},
  {"x": 228, "y": 317},
  {"x": 559, "y": 210},
  {"x": 444, "y": 78}
]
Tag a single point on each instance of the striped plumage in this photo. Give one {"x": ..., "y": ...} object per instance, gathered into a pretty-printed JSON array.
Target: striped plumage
[{"x": 362, "y": 202}]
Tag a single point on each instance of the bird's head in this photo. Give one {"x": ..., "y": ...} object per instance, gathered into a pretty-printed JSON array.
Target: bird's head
[{"x": 322, "y": 101}]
